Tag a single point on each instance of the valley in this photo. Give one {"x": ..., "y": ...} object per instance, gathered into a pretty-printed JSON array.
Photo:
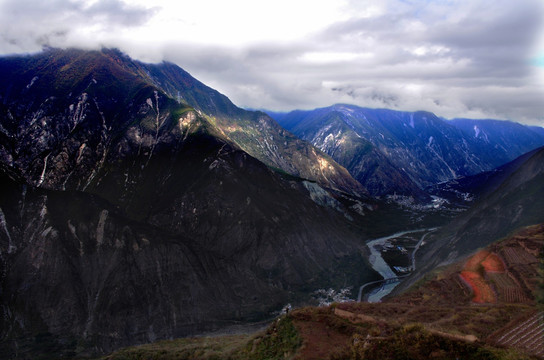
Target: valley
[
  {"x": 140, "y": 205},
  {"x": 437, "y": 318},
  {"x": 393, "y": 257}
]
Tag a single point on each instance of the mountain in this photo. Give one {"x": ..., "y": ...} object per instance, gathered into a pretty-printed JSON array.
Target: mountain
[
  {"x": 500, "y": 141},
  {"x": 254, "y": 131},
  {"x": 331, "y": 133},
  {"x": 139, "y": 204},
  {"x": 403, "y": 152},
  {"x": 464, "y": 190},
  {"x": 537, "y": 129},
  {"x": 77, "y": 267},
  {"x": 63, "y": 99},
  {"x": 129, "y": 215},
  {"x": 513, "y": 204}
]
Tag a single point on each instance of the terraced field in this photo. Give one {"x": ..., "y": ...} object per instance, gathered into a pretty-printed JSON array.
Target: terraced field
[
  {"x": 525, "y": 333},
  {"x": 483, "y": 293},
  {"x": 503, "y": 276},
  {"x": 476, "y": 272},
  {"x": 505, "y": 272}
]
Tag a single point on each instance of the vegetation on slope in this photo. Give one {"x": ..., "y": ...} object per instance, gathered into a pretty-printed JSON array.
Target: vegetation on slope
[{"x": 279, "y": 341}]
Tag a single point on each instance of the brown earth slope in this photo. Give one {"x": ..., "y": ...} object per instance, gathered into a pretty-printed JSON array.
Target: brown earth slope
[{"x": 490, "y": 297}]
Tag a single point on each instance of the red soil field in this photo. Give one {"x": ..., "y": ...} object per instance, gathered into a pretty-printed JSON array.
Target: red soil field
[
  {"x": 320, "y": 337},
  {"x": 476, "y": 259},
  {"x": 482, "y": 291},
  {"x": 492, "y": 263}
]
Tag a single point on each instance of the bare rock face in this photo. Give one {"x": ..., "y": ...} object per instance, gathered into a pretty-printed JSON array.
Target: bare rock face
[
  {"x": 76, "y": 266},
  {"x": 128, "y": 216}
]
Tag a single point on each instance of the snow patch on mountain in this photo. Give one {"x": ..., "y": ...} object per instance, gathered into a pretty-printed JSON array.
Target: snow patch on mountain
[
  {"x": 476, "y": 131},
  {"x": 32, "y": 82}
]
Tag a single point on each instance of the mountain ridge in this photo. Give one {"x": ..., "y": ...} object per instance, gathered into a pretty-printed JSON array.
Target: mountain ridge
[
  {"x": 142, "y": 212},
  {"x": 85, "y": 73},
  {"x": 418, "y": 146}
]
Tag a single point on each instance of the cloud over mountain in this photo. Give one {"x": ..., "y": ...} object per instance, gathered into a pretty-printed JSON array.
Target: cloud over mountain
[{"x": 456, "y": 58}]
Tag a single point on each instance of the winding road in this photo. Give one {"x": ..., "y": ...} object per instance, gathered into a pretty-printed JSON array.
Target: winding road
[
  {"x": 390, "y": 279},
  {"x": 413, "y": 266}
]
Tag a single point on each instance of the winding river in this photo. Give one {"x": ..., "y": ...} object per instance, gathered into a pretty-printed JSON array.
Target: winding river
[{"x": 390, "y": 279}]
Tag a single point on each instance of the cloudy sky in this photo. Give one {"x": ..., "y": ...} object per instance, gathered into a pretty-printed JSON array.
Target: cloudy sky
[{"x": 457, "y": 58}]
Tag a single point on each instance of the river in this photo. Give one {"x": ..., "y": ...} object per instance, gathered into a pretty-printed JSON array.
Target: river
[{"x": 390, "y": 279}]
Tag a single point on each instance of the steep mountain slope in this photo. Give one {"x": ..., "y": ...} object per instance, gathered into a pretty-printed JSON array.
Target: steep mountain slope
[
  {"x": 253, "y": 131},
  {"x": 127, "y": 216},
  {"x": 331, "y": 133},
  {"x": 77, "y": 267},
  {"x": 500, "y": 141},
  {"x": 64, "y": 99},
  {"x": 515, "y": 203},
  {"x": 537, "y": 129},
  {"x": 379, "y": 147},
  {"x": 464, "y": 190}
]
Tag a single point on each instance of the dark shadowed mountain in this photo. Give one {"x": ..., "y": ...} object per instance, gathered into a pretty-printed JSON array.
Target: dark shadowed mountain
[
  {"x": 217, "y": 245},
  {"x": 515, "y": 202},
  {"x": 403, "y": 152},
  {"x": 464, "y": 190},
  {"x": 129, "y": 214}
]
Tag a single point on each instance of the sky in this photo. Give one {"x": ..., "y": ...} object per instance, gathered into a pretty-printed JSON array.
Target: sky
[{"x": 456, "y": 58}]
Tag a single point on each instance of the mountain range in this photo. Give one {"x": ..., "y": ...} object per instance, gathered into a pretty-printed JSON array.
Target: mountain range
[
  {"x": 139, "y": 204},
  {"x": 404, "y": 152},
  {"x": 90, "y": 97}
]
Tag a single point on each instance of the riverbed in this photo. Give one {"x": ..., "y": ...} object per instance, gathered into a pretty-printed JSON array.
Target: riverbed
[{"x": 390, "y": 278}]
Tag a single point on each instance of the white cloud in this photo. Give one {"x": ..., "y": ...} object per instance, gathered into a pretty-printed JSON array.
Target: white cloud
[
  {"x": 325, "y": 57},
  {"x": 238, "y": 23},
  {"x": 453, "y": 57}
]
